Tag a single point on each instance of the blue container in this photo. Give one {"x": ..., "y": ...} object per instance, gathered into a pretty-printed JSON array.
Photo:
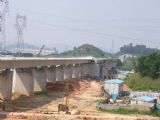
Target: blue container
[
  {"x": 114, "y": 96},
  {"x": 158, "y": 106}
]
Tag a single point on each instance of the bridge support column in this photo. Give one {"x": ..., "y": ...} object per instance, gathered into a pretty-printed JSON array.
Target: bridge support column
[
  {"x": 39, "y": 77},
  {"x": 80, "y": 70},
  {"x": 91, "y": 69},
  {"x": 59, "y": 73},
  {"x": 76, "y": 71},
  {"x": 23, "y": 81},
  {"x": 95, "y": 70},
  {"x": 85, "y": 70},
  {"x": 6, "y": 80},
  {"x": 51, "y": 74},
  {"x": 68, "y": 72}
]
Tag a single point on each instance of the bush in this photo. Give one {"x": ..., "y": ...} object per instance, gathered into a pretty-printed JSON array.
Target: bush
[
  {"x": 127, "y": 111},
  {"x": 123, "y": 111},
  {"x": 149, "y": 65},
  {"x": 155, "y": 113},
  {"x": 137, "y": 82}
]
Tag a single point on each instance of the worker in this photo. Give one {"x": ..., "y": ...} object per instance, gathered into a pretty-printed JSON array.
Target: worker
[{"x": 154, "y": 107}]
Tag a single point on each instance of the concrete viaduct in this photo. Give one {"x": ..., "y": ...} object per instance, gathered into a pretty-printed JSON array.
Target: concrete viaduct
[{"x": 28, "y": 75}]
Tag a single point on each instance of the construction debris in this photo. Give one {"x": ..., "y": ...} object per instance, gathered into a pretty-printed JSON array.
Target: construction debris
[{"x": 75, "y": 112}]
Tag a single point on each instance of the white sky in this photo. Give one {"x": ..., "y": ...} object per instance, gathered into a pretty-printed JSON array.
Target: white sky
[{"x": 67, "y": 23}]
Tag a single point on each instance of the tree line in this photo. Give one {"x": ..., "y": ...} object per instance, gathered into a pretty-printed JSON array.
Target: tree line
[
  {"x": 137, "y": 50},
  {"x": 149, "y": 65}
]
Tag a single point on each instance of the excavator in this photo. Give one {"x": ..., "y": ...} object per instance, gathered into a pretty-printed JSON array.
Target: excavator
[{"x": 65, "y": 107}]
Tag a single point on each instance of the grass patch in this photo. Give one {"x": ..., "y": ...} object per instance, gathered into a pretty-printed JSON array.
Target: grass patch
[
  {"x": 20, "y": 101},
  {"x": 123, "y": 111},
  {"x": 155, "y": 113},
  {"x": 137, "y": 82},
  {"x": 41, "y": 93},
  {"x": 126, "y": 111}
]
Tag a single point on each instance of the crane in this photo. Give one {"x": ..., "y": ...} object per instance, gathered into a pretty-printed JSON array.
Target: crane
[{"x": 41, "y": 50}]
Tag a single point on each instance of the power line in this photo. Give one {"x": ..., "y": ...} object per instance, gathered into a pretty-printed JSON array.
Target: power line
[
  {"x": 49, "y": 15},
  {"x": 63, "y": 27},
  {"x": 126, "y": 38}
]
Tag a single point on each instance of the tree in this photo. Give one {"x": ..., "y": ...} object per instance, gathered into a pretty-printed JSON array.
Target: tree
[
  {"x": 129, "y": 64},
  {"x": 149, "y": 65},
  {"x": 137, "y": 50}
]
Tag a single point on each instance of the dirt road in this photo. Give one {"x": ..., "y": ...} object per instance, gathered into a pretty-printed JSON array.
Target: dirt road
[{"x": 97, "y": 116}]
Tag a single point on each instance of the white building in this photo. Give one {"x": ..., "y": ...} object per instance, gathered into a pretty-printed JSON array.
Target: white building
[
  {"x": 114, "y": 86},
  {"x": 125, "y": 56},
  {"x": 142, "y": 100}
]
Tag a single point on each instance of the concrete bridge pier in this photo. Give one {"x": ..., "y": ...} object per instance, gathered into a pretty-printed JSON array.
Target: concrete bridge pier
[
  {"x": 91, "y": 69},
  {"x": 51, "y": 74},
  {"x": 23, "y": 81},
  {"x": 80, "y": 66},
  {"x": 68, "y": 72},
  {"x": 95, "y": 69},
  {"x": 85, "y": 70},
  {"x": 6, "y": 80},
  {"x": 59, "y": 73},
  {"x": 39, "y": 78},
  {"x": 76, "y": 72}
]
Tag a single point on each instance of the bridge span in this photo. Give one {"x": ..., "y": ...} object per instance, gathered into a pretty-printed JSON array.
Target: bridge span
[
  {"x": 25, "y": 76},
  {"x": 8, "y": 63}
]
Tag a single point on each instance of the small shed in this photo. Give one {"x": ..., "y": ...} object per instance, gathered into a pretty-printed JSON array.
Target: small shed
[
  {"x": 141, "y": 100},
  {"x": 114, "y": 86},
  {"x": 124, "y": 74}
]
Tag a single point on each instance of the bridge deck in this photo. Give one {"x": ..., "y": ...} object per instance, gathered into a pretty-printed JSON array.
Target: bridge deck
[{"x": 13, "y": 62}]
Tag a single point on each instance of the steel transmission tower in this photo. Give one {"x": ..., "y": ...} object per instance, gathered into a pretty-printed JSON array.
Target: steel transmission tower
[
  {"x": 20, "y": 26},
  {"x": 3, "y": 10}
]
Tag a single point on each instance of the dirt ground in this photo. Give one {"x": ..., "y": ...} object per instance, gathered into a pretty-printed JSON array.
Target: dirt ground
[{"x": 83, "y": 95}]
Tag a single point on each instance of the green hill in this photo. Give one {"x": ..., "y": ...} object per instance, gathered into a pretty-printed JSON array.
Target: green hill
[{"x": 85, "y": 50}]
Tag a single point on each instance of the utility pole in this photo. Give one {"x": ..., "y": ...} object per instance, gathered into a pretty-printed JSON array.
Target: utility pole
[
  {"x": 20, "y": 26},
  {"x": 112, "y": 46},
  {"x": 3, "y": 10}
]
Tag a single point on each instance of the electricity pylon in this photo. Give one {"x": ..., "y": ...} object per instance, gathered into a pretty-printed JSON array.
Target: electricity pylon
[
  {"x": 3, "y": 10},
  {"x": 20, "y": 26}
]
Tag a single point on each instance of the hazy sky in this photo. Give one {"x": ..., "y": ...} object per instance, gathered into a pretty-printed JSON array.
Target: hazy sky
[{"x": 67, "y": 23}]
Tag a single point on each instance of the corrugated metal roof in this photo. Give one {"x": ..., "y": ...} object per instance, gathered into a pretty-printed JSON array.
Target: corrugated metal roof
[
  {"x": 117, "y": 81},
  {"x": 145, "y": 98},
  {"x": 126, "y": 73}
]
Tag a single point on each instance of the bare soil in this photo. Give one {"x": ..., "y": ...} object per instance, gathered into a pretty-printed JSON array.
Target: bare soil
[{"x": 83, "y": 95}]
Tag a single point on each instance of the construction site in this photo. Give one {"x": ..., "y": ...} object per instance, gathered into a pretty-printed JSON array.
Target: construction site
[
  {"x": 39, "y": 83},
  {"x": 71, "y": 99}
]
